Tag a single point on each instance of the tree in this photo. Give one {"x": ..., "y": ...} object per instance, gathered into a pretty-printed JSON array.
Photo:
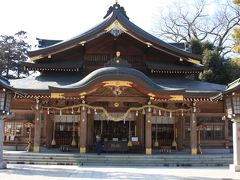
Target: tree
[
  {"x": 233, "y": 65},
  {"x": 233, "y": 69},
  {"x": 184, "y": 23},
  {"x": 13, "y": 51},
  {"x": 216, "y": 71},
  {"x": 236, "y": 33}
]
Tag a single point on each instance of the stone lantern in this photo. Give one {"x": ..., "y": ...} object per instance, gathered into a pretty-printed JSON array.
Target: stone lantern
[
  {"x": 6, "y": 93},
  {"x": 231, "y": 98}
]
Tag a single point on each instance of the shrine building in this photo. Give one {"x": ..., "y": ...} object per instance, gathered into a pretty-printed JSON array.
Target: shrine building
[{"x": 139, "y": 93}]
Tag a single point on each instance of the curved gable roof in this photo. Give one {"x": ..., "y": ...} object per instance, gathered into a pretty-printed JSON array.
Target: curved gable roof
[
  {"x": 117, "y": 74},
  {"x": 115, "y": 13}
]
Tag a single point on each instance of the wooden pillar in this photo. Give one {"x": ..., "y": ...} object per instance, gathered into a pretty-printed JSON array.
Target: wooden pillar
[
  {"x": 236, "y": 146},
  {"x": 2, "y": 163},
  {"x": 90, "y": 130},
  {"x": 179, "y": 134},
  {"x": 148, "y": 133},
  {"x": 141, "y": 129},
  {"x": 226, "y": 133},
  {"x": 83, "y": 131},
  {"x": 193, "y": 126},
  {"x": 49, "y": 130},
  {"x": 37, "y": 131}
]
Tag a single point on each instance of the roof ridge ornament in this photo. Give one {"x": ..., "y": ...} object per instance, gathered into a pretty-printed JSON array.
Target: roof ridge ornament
[{"x": 116, "y": 8}]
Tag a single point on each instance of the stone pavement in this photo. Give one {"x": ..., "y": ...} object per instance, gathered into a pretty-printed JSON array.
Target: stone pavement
[{"x": 53, "y": 172}]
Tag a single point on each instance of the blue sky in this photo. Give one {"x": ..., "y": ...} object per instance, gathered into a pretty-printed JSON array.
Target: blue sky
[{"x": 62, "y": 19}]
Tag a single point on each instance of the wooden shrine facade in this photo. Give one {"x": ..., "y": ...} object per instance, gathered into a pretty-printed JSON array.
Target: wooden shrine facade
[{"x": 140, "y": 93}]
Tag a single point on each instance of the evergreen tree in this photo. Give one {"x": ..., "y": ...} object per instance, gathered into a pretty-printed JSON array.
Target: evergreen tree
[
  {"x": 236, "y": 33},
  {"x": 13, "y": 51}
]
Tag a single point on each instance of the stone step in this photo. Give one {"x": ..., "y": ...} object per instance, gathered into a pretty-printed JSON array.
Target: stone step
[
  {"x": 119, "y": 164},
  {"x": 119, "y": 156},
  {"x": 118, "y": 159}
]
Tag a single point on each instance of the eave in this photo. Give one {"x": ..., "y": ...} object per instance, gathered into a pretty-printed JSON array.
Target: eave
[
  {"x": 64, "y": 66},
  {"x": 127, "y": 27},
  {"x": 174, "y": 69}
]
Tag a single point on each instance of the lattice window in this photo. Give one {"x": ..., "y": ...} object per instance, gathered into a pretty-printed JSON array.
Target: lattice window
[
  {"x": 236, "y": 105},
  {"x": 2, "y": 97},
  {"x": 212, "y": 132},
  {"x": 13, "y": 129}
]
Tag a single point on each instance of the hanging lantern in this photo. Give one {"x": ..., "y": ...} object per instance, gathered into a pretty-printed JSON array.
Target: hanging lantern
[
  {"x": 60, "y": 112},
  {"x": 48, "y": 111},
  {"x": 143, "y": 111},
  {"x": 72, "y": 111},
  {"x": 95, "y": 111},
  {"x": 170, "y": 114},
  {"x": 6, "y": 95},
  {"x": 182, "y": 112}
]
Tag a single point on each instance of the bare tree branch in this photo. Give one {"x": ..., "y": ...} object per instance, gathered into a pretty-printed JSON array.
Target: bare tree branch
[{"x": 183, "y": 24}]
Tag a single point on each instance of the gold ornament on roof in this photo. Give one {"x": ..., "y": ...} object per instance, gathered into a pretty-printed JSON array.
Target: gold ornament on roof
[
  {"x": 116, "y": 28},
  {"x": 117, "y": 83},
  {"x": 57, "y": 95},
  {"x": 34, "y": 58},
  {"x": 176, "y": 98}
]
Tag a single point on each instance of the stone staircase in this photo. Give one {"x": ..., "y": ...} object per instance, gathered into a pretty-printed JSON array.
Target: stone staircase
[{"x": 169, "y": 160}]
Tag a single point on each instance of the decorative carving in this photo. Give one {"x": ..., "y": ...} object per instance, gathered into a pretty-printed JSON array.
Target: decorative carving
[
  {"x": 34, "y": 58},
  {"x": 151, "y": 95},
  {"x": 117, "y": 83},
  {"x": 193, "y": 61},
  {"x": 116, "y": 25},
  {"x": 57, "y": 95},
  {"x": 116, "y": 31},
  {"x": 176, "y": 98},
  {"x": 117, "y": 91}
]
